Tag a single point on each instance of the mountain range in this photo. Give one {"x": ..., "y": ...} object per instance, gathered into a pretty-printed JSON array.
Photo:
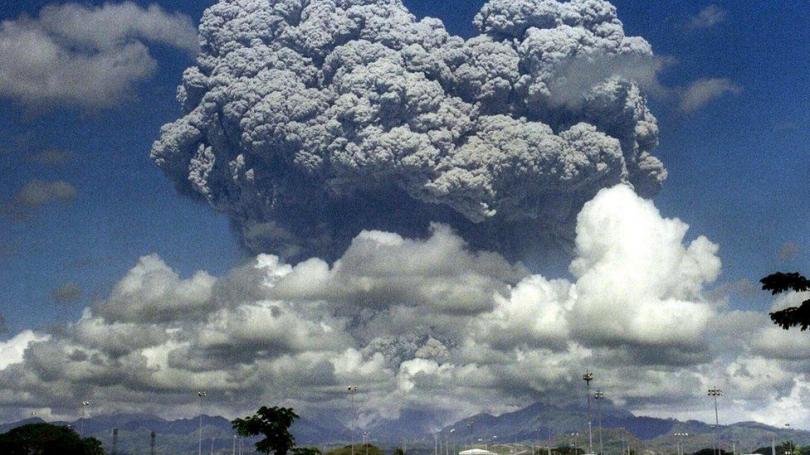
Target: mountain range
[{"x": 538, "y": 425}]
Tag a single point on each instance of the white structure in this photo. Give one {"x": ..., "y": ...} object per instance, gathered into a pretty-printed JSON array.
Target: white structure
[{"x": 476, "y": 452}]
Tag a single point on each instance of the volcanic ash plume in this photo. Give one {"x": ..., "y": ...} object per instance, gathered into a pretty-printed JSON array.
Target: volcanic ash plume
[{"x": 308, "y": 121}]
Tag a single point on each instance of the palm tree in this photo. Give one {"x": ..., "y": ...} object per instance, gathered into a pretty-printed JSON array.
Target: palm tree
[{"x": 793, "y": 316}]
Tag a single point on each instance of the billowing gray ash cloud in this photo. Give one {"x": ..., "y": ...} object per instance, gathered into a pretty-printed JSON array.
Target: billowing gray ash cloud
[{"x": 307, "y": 121}]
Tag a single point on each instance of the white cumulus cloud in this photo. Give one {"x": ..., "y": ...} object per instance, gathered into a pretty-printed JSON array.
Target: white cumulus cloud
[
  {"x": 421, "y": 324},
  {"x": 72, "y": 54}
]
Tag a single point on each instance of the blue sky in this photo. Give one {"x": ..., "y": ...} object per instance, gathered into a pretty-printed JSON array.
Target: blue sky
[{"x": 738, "y": 167}]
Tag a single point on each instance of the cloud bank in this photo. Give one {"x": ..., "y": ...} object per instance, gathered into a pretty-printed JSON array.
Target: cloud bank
[
  {"x": 420, "y": 324},
  {"x": 308, "y": 122},
  {"x": 90, "y": 57}
]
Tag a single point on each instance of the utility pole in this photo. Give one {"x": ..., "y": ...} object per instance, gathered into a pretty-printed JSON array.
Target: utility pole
[
  {"x": 115, "y": 442},
  {"x": 714, "y": 392},
  {"x": 152, "y": 445},
  {"x": 588, "y": 377}
]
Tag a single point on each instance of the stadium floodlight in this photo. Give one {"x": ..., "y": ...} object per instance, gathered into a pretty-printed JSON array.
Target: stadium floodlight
[
  {"x": 679, "y": 442},
  {"x": 200, "y": 395},
  {"x": 599, "y": 396},
  {"x": 588, "y": 377},
  {"x": 714, "y": 392},
  {"x": 352, "y": 389},
  {"x": 82, "y": 416}
]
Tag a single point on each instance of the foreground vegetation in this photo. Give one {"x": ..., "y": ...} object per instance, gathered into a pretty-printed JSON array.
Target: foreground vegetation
[{"x": 47, "y": 439}]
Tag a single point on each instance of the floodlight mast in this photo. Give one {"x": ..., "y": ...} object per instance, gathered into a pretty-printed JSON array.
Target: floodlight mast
[
  {"x": 679, "y": 437},
  {"x": 714, "y": 392},
  {"x": 599, "y": 396},
  {"x": 352, "y": 389},
  {"x": 588, "y": 377},
  {"x": 84, "y": 406},
  {"x": 200, "y": 395}
]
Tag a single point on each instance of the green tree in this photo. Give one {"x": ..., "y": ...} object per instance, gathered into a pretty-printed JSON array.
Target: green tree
[
  {"x": 711, "y": 452},
  {"x": 399, "y": 451},
  {"x": 47, "y": 439},
  {"x": 794, "y": 316},
  {"x": 274, "y": 423},
  {"x": 788, "y": 448}
]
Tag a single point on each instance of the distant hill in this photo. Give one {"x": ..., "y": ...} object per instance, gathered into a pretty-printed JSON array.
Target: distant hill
[
  {"x": 509, "y": 433},
  {"x": 541, "y": 422}
]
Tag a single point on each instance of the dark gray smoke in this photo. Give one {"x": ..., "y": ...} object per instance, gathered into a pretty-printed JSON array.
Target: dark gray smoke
[{"x": 307, "y": 121}]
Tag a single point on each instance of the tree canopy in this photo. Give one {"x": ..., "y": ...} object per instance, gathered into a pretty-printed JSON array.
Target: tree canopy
[
  {"x": 47, "y": 439},
  {"x": 780, "y": 282},
  {"x": 274, "y": 423}
]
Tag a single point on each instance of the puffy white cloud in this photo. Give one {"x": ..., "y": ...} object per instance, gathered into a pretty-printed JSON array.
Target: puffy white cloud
[
  {"x": 637, "y": 280},
  {"x": 427, "y": 324},
  {"x": 708, "y": 17},
  {"x": 382, "y": 269},
  {"x": 308, "y": 123},
  {"x": 703, "y": 91},
  {"x": 87, "y": 56},
  {"x": 152, "y": 291},
  {"x": 422, "y": 324},
  {"x": 11, "y": 351}
]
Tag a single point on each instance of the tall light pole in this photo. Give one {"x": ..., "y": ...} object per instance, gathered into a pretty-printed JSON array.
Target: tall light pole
[
  {"x": 679, "y": 437},
  {"x": 576, "y": 443},
  {"x": 200, "y": 395},
  {"x": 599, "y": 396},
  {"x": 588, "y": 377},
  {"x": 714, "y": 392},
  {"x": 450, "y": 439},
  {"x": 82, "y": 416},
  {"x": 352, "y": 390}
]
